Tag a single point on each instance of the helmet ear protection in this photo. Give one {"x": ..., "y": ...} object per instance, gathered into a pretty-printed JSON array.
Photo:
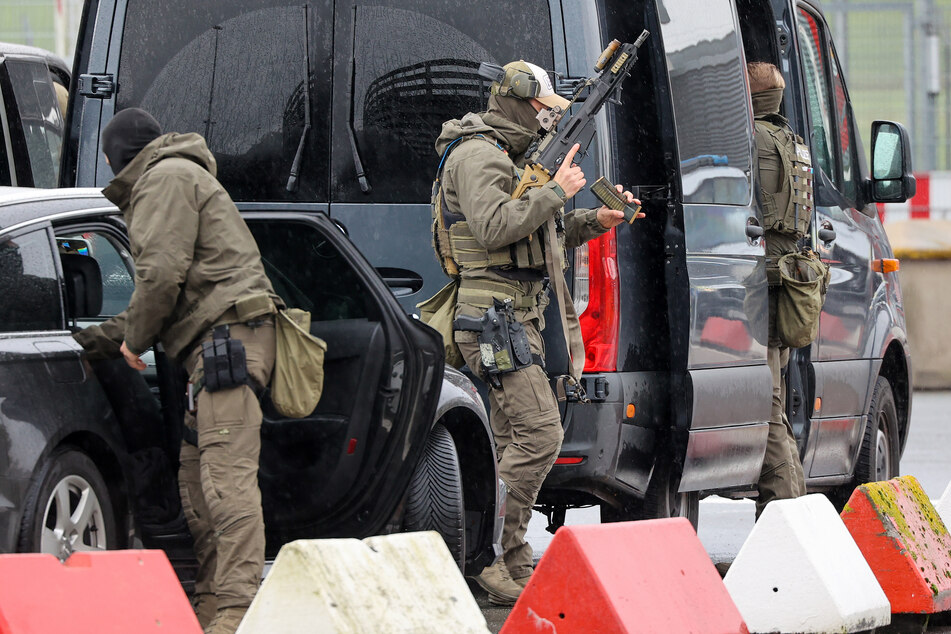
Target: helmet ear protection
[{"x": 510, "y": 82}]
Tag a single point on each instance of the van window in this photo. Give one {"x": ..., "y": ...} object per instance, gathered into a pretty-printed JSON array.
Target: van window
[
  {"x": 402, "y": 69},
  {"x": 233, "y": 71},
  {"x": 710, "y": 100},
  {"x": 817, "y": 92},
  {"x": 28, "y": 284},
  {"x": 37, "y": 111},
  {"x": 846, "y": 134}
]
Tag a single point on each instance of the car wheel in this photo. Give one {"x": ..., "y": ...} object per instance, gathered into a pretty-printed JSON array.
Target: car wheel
[
  {"x": 68, "y": 508},
  {"x": 661, "y": 500},
  {"x": 434, "y": 501}
]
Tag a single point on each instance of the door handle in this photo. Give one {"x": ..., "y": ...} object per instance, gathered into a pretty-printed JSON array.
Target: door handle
[
  {"x": 826, "y": 233},
  {"x": 753, "y": 230},
  {"x": 402, "y": 281}
]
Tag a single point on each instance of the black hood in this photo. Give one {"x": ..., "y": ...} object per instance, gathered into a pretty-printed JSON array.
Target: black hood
[{"x": 126, "y": 134}]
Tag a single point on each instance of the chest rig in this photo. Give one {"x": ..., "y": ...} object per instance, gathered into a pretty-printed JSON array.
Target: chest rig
[
  {"x": 789, "y": 210},
  {"x": 458, "y": 250}
]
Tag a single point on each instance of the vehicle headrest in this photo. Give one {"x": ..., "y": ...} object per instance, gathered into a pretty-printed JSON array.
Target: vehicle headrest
[{"x": 83, "y": 285}]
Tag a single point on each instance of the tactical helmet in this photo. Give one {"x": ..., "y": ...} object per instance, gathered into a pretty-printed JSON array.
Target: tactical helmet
[{"x": 525, "y": 81}]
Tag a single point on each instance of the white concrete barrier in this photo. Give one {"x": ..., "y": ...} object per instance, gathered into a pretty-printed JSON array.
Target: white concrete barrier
[
  {"x": 801, "y": 571},
  {"x": 944, "y": 507},
  {"x": 390, "y": 584}
]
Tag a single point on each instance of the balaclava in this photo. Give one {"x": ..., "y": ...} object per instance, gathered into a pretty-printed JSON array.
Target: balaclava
[{"x": 126, "y": 134}]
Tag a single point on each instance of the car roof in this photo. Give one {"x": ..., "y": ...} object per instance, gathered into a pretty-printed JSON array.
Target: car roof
[
  {"x": 53, "y": 60},
  {"x": 25, "y": 204}
]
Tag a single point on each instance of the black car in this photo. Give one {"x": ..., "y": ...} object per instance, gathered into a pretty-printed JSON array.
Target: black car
[
  {"x": 31, "y": 124},
  {"x": 88, "y": 451},
  {"x": 672, "y": 308}
]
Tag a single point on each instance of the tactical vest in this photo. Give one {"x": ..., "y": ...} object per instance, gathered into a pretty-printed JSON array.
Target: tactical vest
[
  {"x": 796, "y": 214},
  {"x": 457, "y": 248}
]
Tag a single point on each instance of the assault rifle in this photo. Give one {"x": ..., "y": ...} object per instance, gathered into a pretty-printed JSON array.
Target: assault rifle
[{"x": 613, "y": 66}]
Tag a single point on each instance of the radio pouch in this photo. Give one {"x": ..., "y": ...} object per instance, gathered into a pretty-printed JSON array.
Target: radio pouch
[{"x": 224, "y": 361}]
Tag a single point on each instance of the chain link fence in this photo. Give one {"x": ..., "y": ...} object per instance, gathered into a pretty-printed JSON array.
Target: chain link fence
[
  {"x": 49, "y": 24},
  {"x": 896, "y": 56}
]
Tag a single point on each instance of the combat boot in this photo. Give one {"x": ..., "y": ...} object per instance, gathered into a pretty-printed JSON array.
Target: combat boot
[
  {"x": 522, "y": 581},
  {"x": 226, "y": 621},
  {"x": 497, "y": 581}
]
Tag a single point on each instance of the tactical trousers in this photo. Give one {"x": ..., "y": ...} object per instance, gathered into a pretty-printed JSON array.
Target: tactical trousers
[
  {"x": 218, "y": 480},
  {"x": 781, "y": 476},
  {"x": 527, "y": 428}
]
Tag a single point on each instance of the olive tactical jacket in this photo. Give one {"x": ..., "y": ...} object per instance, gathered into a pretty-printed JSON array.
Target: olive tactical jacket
[{"x": 194, "y": 255}]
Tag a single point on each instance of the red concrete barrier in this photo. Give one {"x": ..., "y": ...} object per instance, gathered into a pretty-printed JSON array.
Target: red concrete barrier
[
  {"x": 647, "y": 576},
  {"x": 114, "y": 592},
  {"x": 905, "y": 543}
]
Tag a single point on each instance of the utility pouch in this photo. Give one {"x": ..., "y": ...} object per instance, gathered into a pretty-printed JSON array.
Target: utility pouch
[
  {"x": 252, "y": 307},
  {"x": 503, "y": 343},
  {"x": 224, "y": 361},
  {"x": 805, "y": 280}
]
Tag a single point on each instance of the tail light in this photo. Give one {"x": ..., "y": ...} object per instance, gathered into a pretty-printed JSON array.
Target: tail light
[{"x": 597, "y": 300}]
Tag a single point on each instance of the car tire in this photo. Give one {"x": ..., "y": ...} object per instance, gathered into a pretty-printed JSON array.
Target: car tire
[
  {"x": 69, "y": 481},
  {"x": 661, "y": 500},
  {"x": 434, "y": 501}
]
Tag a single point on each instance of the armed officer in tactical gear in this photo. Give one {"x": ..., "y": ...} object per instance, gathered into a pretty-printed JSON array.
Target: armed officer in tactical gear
[
  {"x": 785, "y": 177},
  {"x": 498, "y": 245},
  {"x": 200, "y": 289}
]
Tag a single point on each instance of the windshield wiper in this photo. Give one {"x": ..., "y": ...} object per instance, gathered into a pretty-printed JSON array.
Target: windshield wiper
[
  {"x": 357, "y": 162},
  {"x": 295, "y": 166}
]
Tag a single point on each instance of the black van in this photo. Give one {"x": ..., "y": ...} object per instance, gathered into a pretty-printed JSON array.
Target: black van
[{"x": 672, "y": 308}]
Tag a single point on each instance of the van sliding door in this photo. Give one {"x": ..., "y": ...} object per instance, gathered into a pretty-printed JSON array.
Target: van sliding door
[{"x": 722, "y": 322}]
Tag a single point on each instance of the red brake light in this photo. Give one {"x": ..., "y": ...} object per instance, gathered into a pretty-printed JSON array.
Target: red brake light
[{"x": 599, "y": 319}]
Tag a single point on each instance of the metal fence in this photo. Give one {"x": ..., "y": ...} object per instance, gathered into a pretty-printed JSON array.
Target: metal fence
[
  {"x": 49, "y": 24},
  {"x": 896, "y": 56}
]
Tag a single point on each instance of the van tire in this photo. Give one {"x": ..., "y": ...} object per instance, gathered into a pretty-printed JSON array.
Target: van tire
[
  {"x": 879, "y": 456},
  {"x": 67, "y": 476},
  {"x": 434, "y": 500},
  {"x": 662, "y": 499}
]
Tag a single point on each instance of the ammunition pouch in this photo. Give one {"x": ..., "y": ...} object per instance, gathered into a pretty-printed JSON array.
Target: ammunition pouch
[
  {"x": 224, "y": 361},
  {"x": 503, "y": 343}
]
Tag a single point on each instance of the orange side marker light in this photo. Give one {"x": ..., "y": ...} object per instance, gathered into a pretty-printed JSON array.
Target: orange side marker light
[{"x": 886, "y": 265}]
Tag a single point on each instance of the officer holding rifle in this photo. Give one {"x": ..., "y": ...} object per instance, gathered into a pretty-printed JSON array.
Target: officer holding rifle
[{"x": 507, "y": 252}]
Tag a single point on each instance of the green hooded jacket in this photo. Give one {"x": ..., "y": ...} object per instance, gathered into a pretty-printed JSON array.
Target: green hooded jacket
[
  {"x": 478, "y": 180},
  {"x": 194, "y": 255}
]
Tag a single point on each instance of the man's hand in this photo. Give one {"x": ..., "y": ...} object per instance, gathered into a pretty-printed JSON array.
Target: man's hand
[
  {"x": 569, "y": 176},
  {"x": 132, "y": 359},
  {"x": 612, "y": 217}
]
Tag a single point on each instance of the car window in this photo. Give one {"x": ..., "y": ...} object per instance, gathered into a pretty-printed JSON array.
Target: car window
[
  {"x": 403, "y": 68},
  {"x": 28, "y": 284},
  {"x": 38, "y": 114},
  {"x": 704, "y": 57},
  {"x": 114, "y": 266},
  {"x": 6, "y": 176},
  {"x": 817, "y": 90},
  {"x": 308, "y": 272},
  {"x": 233, "y": 71}
]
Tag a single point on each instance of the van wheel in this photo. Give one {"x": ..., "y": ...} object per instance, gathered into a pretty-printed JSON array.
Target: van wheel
[
  {"x": 878, "y": 459},
  {"x": 68, "y": 508},
  {"x": 434, "y": 501},
  {"x": 662, "y": 500}
]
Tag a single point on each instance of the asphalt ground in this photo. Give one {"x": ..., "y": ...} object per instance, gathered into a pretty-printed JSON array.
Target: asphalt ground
[{"x": 725, "y": 524}]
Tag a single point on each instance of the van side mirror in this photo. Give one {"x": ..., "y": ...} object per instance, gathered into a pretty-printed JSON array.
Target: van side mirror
[{"x": 892, "y": 180}]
